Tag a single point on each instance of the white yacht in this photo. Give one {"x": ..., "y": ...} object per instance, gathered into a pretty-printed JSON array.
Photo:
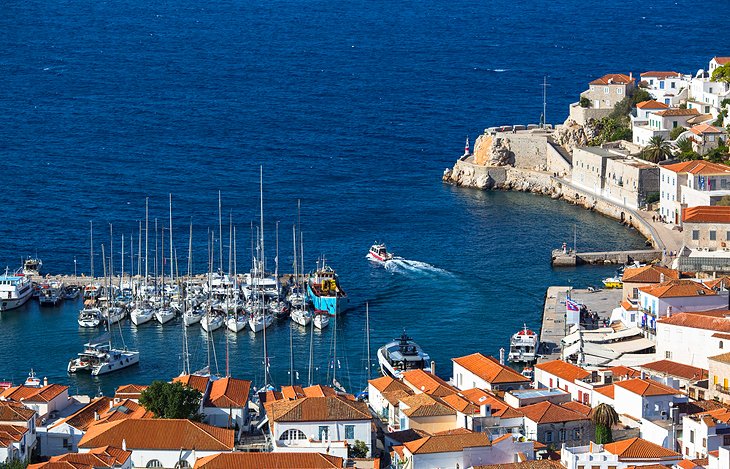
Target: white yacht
[
  {"x": 164, "y": 315},
  {"x": 193, "y": 316},
  {"x": 236, "y": 322},
  {"x": 100, "y": 358},
  {"x": 401, "y": 355},
  {"x": 115, "y": 314},
  {"x": 15, "y": 290},
  {"x": 301, "y": 316},
  {"x": 260, "y": 321},
  {"x": 141, "y": 315},
  {"x": 51, "y": 293},
  {"x": 32, "y": 266},
  {"x": 90, "y": 317},
  {"x": 211, "y": 322},
  {"x": 321, "y": 319},
  {"x": 523, "y": 346}
]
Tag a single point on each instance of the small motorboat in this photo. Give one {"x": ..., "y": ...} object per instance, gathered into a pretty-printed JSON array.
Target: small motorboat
[
  {"x": 613, "y": 282},
  {"x": 90, "y": 317},
  {"x": 523, "y": 346},
  {"x": 379, "y": 253},
  {"x": 321, "y": 319}
]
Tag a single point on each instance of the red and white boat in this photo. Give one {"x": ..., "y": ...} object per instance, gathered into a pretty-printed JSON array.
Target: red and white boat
[
  {"x": 523, "y": 346},
  {"x": 379, "y": 253}
]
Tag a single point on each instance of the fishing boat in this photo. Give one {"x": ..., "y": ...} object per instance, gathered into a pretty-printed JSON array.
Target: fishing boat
[
  {"x": 301, "y": 316},
  {"x": 523, "y": 346},
  {"x": 50, "y": 293},
  {"x": 379, "y": 253},
  {"x": 100, "y": 358},
  {"x": 32, "y": 266},
  {"x": 401, "y": 355},
  {"x": 325, "y": 292},
  {"x": 92, "y": 291},
  {"x": 15, "y": 290},
  {"x": 613, "y": 282},
  {"x": 90, "y": 317},
  {"x": 141, "y": 315},
  {"x": 321, "y": 319}
]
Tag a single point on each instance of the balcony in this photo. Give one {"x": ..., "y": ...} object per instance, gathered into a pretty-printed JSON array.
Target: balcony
[{"x": 722, "y": 389}]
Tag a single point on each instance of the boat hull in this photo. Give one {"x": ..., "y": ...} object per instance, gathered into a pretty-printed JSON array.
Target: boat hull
[
  {"x": 236, "y": 324},
  {"x": 334, "y": 305},
  {"x": 12, "y": 303},
  {"x": 258, "y": 325},
  {"x": 141, "y": 318}
]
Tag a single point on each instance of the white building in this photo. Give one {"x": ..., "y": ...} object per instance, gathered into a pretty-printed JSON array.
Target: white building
[
  {"x": 623, "y": 454},
  {"x": 43, "y": 399},
  {"x": 645, "y": 399},
  {"x": 692, "y": 337},
  {"x": 17, "y": 431},
  {"x": 705, "y": 432},
  {"x": 691, "y": 184},
  {"x": 666, "y": 87},
  {"x": 479, "y": 371},
  {"x": 566, "y": 376},
  {"x": 227, "y": 404}
]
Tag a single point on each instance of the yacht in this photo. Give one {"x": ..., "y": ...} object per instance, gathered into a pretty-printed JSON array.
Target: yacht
[
  {"x": 260, "y": 321},
  {"x": 321, "y": 319},
  {"x": 236, "y": 322},
  {"x": 301, "y": 316},
  {"x": 90, "y": 317},
  {"x": 379, "y": 253},
  {"x": 32, "y": 266},
  {"x": 164, "y": 315},
  {"x": 51, "y": 293},
  {"x": 141, "y": 315},
  {"x": 193, "y": 316},
  {"x": 523, "y": 346},
  {"x": 92, "y": 291},
  {"x": 211, "y": 322},
  {"x": 15, "y": 290},
  {"x": 402, "y": 355},
  {"x": 613, "y": 282},
  {"x": 115, "y": 314},
  {"x": 100, "y": 358}
]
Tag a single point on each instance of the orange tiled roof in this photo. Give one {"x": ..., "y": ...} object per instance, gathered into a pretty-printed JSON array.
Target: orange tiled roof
[
  {"x": 106, "y": 456},
  {"x": 129, "y": 391},
  {"x": 58, "y": 465},
  {"x": 461, "y": 404},
  {"x": 718, "y": 282},
  {"x": 229, "y": 392},
  {"x": 649, "y": 274},
  {"x": 654, "y": 74},
  {"x": 723, "y": 358},
  {"x": 687, "y": 464},
  {"x": 15, "y": 412},
  {"x": 317, "y": 409},
  {"x": 613, "y": 79},
  {"x": 489, "y": 369},
  {"x": 450, "y": 443},
  {"x": 678, "y": 288},
  {"x": 499, "y": 407},
  {"x": 646, "y": 387},
  {"x": 722, "y": 60},
  {"x": 193, "y": 381},
  {"x": 547, "y": 412},
  {"x": 677, "y": 112},
  {"x": 11, "y": 433},
  {"x": 530, "y": 464},
  {"x": 83, "y": 418},
  {"x": 394, "y": 397},
  {"x": 319, "y": 391},
  {"x": 563, "y": 370},
  {"x": 717, "y": 320},
  {"x": 636, "y": 448},
  {"x": 242, "y": 460},
  {"x": 703, "y": 214},
  {"x": 621, "y": 371},
  {"x": 680, "y": 370},
  {"x": 33, "y": 394},
  {"x": 386, "y": 384},
  {"x": 172, "y": 434},
  {"x": 651, "y": 104},
  {"x": 705, "y": 128},
  {"x": 429, "y": 383},
  {"x": 607, "y": 391},
  {"x": 698, "y": 167},
  {"x": 125, "y": 409},
  {"x": 423, "y": 405},
  {"x": 292, "y": 392},
  {"x": 577, "y": 407}
]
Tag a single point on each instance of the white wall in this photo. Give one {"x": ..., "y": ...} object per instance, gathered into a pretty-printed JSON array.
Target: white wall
[
  {"x": 687, "y": 345},
  {"x": 362, "y": 432},
  {"x": 51, "y": 439}
]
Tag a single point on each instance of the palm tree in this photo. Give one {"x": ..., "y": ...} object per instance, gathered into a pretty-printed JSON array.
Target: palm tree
[
  {"x": 657, "y": 150},
  {"x": 604, "y": 417}
]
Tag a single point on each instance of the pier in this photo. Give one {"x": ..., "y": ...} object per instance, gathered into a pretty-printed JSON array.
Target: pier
[{"x": 561, "y": 258}]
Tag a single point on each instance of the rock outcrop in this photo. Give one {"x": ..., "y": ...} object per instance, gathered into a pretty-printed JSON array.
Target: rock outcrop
[
  {"x": 571, "y": 134},
  {"x": 491, "y": 150}
]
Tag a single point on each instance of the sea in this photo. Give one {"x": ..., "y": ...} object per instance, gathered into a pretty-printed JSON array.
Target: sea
[{"x": 352, "y": 110}]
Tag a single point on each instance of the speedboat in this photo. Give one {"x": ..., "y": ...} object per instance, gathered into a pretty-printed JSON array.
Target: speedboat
[
  {"x": 164, "y": 315},
  {"x": 321, "y": 319},
  {"x": 523, "y": 346},
  {"x": 32, "y": 266},
  {"x": 100, "y": 358},
  {"x": 15, "y": 291},
  {"x": 211, "y": 322},
  {"x": 401, "y": 355},
  {"x": 141, "y": 315},
  {"x": 301, "y": 316},
  {"x": 379, "y": 253},
  {"x": 613, "y": 282},
  {"x": 90, "y": 317},
  {"x": 260, "y": 321},
  {"x": 236, "y": 322}
]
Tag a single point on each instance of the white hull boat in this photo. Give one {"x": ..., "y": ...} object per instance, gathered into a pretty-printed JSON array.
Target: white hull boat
[
  {"x": 192, "y": 317},
  {"x": 301, "y": 317},
  {"x": 211, "y": 323},
  {"x": 321, "y": 320},
  {"x": 164, "y": 315},
  {"x": 116, "y": 314},
  {"x": 100, "y": 358},
  {"x": 523, "y": 346},
  {"x": 15, "y": 291},
  {"x": 401, "y": 355},
  {"x": 259, "y": 322},
  {"x": 90, "y": 317},
  {"x": 236, "y": 323},
  {"x": 141, "y": 315},
  {"x": 379, "y": 253}
]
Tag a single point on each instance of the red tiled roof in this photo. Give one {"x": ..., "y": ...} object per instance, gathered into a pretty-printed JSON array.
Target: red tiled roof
[
  {"x": 704, "y": 214},
  {"x": 229, "y": 392},
  {"x": 499, "y": 408},
  {"x": 717, "y": 320},
  {"x": 129, "y": 391},
  {"x": 242, "y": 460},
  {"x": 621, "y": 371},
  {"x": 547, "y": 412},
  {"x": 489, "y": 369},
  {"x": 317, "y": 409},
  {"x": 428, "y": 383},
  {"x": 83, "y": 418},
  {"x": 563, "y": 370},
  {"x": 530, "y": 464},
  {"x": 319, "y": 391},
  {"x": 33, "y": 394},
  {"x": 651, "y": 104},
  {"x": 450, "y": 443},
  {"x": 636, "y": 448},
  {"x": 423, "y": 405},
  {"x": 698, "y": 167},
  {"x": 662, "y": 75},
  {"x": 649, "y": 274},
  {"x": 193, "y": 381},
  {"x": 721, "y": 60},
  {"x": 680, "y": 370},
  {"x": 705, "y": 129},
  {"x": 577, "y": 407},
  {"x": 678, "y": 289},
  {"x": 15, "y": 412},
  {"x": 607, "y": 391},
  {"x": 678, "y": 112},
  {"x": 292, "y": 392},
  {"x": 718, "y": 282},
  {"x": 387, "y": 384},
  {"x": 646, "y": 387},
  {"x": 11, "y": 433},
  {"x": 723, "y": 358},
  {"x": 613, "y": 79}
]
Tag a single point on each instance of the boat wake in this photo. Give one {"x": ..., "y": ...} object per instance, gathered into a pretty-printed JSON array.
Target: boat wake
[{"x": 407, "y": 266}]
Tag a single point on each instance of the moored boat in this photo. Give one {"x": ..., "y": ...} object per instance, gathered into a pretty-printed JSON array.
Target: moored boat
[
  {"x": 211, "y": 322},
  {"x": 32, "y": 266},
  {"x": 321, "y": 319},
  {"x": 260, "y": 321},
  {"x": 325, "y": 291},
  {"x": 15, "y": 290},
  {"x": 401, "y": 355},
  {"x": 90, "y": 317},
  {"x": 613, "y": 282},
  {"x": 164, "y": 315},
  {"x": 51, "y": 293},
  {"x": 379, "y": 253},
  {"x": 141, "y": 315},
  {"x": 236, "y": 322},
  {"x": 523, "y": 346},
  {"x": 301, "y": 316},
  {"x": 100, "y": 358}
]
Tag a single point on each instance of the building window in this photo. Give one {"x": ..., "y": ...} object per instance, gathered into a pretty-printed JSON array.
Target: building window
[
  {"x": 605, "y": 89},
  {"x": 324, "y": 432},
  {"x": 672, "y": 85},
  {"x": 349, "y": 432},
  {"x": 668, "y": 355},
  {"x": 619, "y": 91},
  {"x": 691, "y": 436},
  {"x": 548, "y": 437},
  {"x": 674, "y": 124},
  {"x": 293, "y": 434},
  {"x": 182, "y": 464},
  {"x": 721, "y": 344},
  {"x": 562, "y": 434},
  {"x": 704, "y": 442},
  {"x": 713, "y": 235},
  {"x": 65, "y": 443},
  {"x": 695, "y": 235},
  {"x": 576, "y": 434},
  {"x": 154, "y": 463}
]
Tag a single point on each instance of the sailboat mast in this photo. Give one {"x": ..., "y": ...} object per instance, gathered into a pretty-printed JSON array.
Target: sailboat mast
[
  {"x": 146, "y": 242},
  {"x": 230, "y": 241},
  {"x": 367, "y": 334},
  {"x": 121, "y": 275},
  {"x": 294, "y": 243},
  {"x": 291, "y": 356},
  {"x": 172, "y": 276},
  {"x": 304, "y": 303},
  {"x": 220, "y": 232},
  {"x": 111, "y": 252},
  {"x": 276, "y": 259},
  {"x": 262, "y": 269},
  {"x": 92, "y": 248}
]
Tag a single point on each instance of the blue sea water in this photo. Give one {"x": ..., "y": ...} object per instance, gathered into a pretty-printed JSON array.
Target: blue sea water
[{"x": 353, "y": 107}]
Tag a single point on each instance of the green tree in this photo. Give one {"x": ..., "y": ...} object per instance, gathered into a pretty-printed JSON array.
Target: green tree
[
  {"x": 724, "y": 201},
  {"x": 676, "y": 132},
  {"x": 657, "y": 150},
  {"x": 14, "y": 464},
  {"x": 722, "y": 74},
  {"x": 584, "y": 102},
  {"x": 604, "y": 417},
  {"x": 717, "y": 155},
  {"x": 172, "y": 401},
  {"x": 358, "y": 450}
]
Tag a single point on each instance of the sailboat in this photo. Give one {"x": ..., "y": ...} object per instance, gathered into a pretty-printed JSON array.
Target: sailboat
[
  {"x": 143, "y": 312},
  {"x": 299, "y": 314},
  {"x": 260, "y": 317},
  {"x": 321, "y": 319}
]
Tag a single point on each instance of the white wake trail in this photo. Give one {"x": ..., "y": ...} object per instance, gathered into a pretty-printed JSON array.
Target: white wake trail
[{"x": 401, "y": 265}]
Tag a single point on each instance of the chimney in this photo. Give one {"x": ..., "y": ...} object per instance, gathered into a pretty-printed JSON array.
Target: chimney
[
  {"x": 45, "y": 381},
  {"x": 669, "y": 311},
  {"x": 124, "y": 444},
  {"x": 501, "y": 356},
  {"x": 111, "y": 404},
  {"x": 631, "y": 76},
  {"x": 433, "y": 367},
  {"x": 96, "y": 415},
  {"x": 661, "y": 278}
]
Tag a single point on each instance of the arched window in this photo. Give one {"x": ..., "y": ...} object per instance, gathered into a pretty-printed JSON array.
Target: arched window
[
  {"x": 293, "y": 434},
  {"x": 182, "y": 464},
  {"x": 154, "y": 463}
]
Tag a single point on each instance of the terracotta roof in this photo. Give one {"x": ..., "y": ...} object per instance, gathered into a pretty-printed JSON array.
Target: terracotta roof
[
  {"x": 651, "y": 104},
  {"x": 58, "y": 465},
  {"x": 394, "y": 397},
  {"x": 563, "y": 370},
  {"x": 172, "y": 434},
  {"x": 33, "y": 394},
  {"x": 678, "y": 112},
  {"x": 499, "y": 407},
  {"x": 319, "y": 391},
  {"x": 621, "y": 371},
  {"x": 460, "y": 404},
  {"x": 646, "y": 387},
  {"x": 680, "y": 370},
  {"x": 317, "y": 409},
  {"x": 107, "y": 456},
  {"x": 649, "y": 274},
  {"x": 119, "y": 455},
  {"x": 83, "y": 418},
  {"x": 242, "y": 460},
  {"x": 721, "y": 60},
  {"x": 723, "y": 358},
  {"x": 125, "y": 409},
  {"x": 703, "y": 214},
  {"x": 129, "y": 391},
  {"x": 636, "y": 448},
  {"x": 15, "y": 412},
  {"x": 229, "y": 392},
  {"x": 421, "y": 381},
  {"x": 577, "y": 407},
  {"x": 547, "y": 412},
  {"x": 717, "y": 320},
  {"x": 687, "y": 464},
  {"x": 698, "y": 167},
  {"x": 489, "y": 369},
  {"x": 423, "y": 405},
  {"x": 607, "y": 391},
  {"x": 717, "y": 283},
  {"x": 407, "y": 435},
  {"x": 705, "y": 129},
  {"x": 654, "y": 74},
  {"x": 11, "y": 433},
  {"x": 450, "y": 443},
  {"x": 193, "y": 381},
  {"x": 628, "y": 306},
  {"x": 613, "y": 79},
  {"x": 292, "y": 392},
  {"x": 386, "y": 383},
  {"x": 678, "y": 288},
  {"x": 532, "y": 464}
]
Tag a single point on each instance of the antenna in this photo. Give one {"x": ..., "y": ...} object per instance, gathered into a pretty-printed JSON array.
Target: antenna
[{"x": 544, "y": 85}]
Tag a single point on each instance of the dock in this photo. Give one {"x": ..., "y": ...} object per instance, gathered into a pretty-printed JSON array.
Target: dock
[
  {"x": 554, "y": 328},
  {"x": 561, "y": 258}
]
